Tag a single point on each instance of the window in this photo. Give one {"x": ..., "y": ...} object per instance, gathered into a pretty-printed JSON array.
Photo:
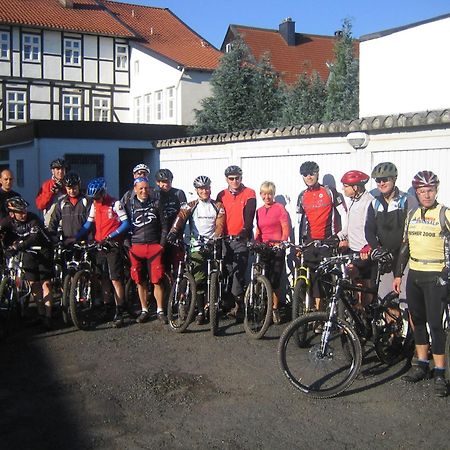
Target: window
[
  {"x": 121, "y": 57},
  {"x": 158, "y": 105},
  {"x": 137, "y": 109},
  {"x": 148, "y": 108},
  {"x": 31, "y": 50},
  {"x": 71, "y": 107},
  {"x": 4, "y": 45},
  {"x": 88, "y": 166},
  {"x": 228, "y": 47},
  {"x": 72, "y": 52},
  {"x": 101, "y": 109},
  {"x": 20, "y": 173},
  {"x": 16, "y": 106},
  {"x": 170, "y": 98},
  {"x": 136, "y": 67}
]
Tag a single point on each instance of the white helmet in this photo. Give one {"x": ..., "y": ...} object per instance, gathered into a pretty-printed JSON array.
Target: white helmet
[
  {"x": 141, "y": 167},
  {"x": 202, "y": 181}
]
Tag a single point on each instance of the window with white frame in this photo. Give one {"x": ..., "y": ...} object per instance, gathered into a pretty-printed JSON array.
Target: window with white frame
[
  {"x": 101, "y": 111},
  {"x": 158, "y": 105},
  {"x": 5, "y": 46},
  {"x": 136, "y": 67},
  {"x": 16, "y": 106},
  {"x": 148, "y": 108},
  {"x": 31, "y": 48},
  {"x": 137, "y": 109},
  {"x": 71, "y": 107},
  {"x": 170, "y": 99},
  {"x": 72, "y": 52},
  {"x": 121, "y": 57}
]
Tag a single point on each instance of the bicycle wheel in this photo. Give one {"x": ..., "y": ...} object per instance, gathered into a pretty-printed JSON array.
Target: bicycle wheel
[
  {"x": 392, "y": 337},
  {"x": 258, "y": 307},
  {"x": 318, "y": 373},
  {"x": 81, "y": 300},
  {"x": 8, "y": 297},
  {"x": 131, "y": 296},
  {"x": 65, "y": 299},
  {"x": 299, "y": 309},
  {"x": 181, "y": 305},
  {"x": 214, "y": 303}
]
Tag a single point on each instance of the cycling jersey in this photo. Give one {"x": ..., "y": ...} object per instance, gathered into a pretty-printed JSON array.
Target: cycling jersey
[
  {"x": 108, "y": 214},
  {"x": 46, "y": 199},
  {"x": 240, "y": 210},
  {"x": 322, "y": 213},
  {"x": 171, "y": 202},
  {"x": 272, "y": 223}
]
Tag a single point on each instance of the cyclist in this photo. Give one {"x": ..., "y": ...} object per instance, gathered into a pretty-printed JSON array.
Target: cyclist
[
  {"x": 71, "y": 211},
  {"x": 206, "y": 219},
  {"x": 354, "y": 182},
  {"x": 148, "y": 236},
  {"x": 272, "y": 224},
  {"x": 52, "y": 189},
  {"x": 387, "y": 212},
  {"x": 6, "y": 191},
  {"x": 171, "y": 201},
  {"x": 141, "y": 170},
  {"x": 239, "y": 203},
  {"x": 425, "y": 246},
  {"x": 23, "y": 230},
  {"x": 111, "y": 221},
  {"x": 321, "y": 215}
]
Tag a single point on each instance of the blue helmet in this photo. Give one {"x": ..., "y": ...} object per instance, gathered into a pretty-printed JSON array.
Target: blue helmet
[{"x": 96, "y": 187}]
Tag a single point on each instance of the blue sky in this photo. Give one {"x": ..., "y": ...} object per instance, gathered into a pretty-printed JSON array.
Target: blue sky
[{"x": 210, "y": 19}]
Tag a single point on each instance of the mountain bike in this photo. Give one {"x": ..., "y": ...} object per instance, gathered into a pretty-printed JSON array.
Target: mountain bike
[
  {"x": 323, "y": 364},
  {"x": 258, "y": 295}
]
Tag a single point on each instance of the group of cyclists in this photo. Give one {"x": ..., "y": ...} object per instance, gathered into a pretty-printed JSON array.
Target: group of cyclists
[{"x": 149, "y": 222}]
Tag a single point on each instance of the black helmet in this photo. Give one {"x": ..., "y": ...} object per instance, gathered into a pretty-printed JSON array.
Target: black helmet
[
  {"x": 202, "y": 181},
  {"x": 164, "y": 175},
  {"x": 233, "y": 170},
  {"x": 58, "y": 163},
  {"x": 16, "y": 204},
  {"x": 72, "y": 179},
  {"x": 384, "y": 169},
  {"x": 309, "y": 167}
]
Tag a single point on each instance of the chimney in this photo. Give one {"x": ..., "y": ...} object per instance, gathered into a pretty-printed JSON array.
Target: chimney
[
  {"x": 67, "y": 3},
  {"x": 287, "y": 30}
]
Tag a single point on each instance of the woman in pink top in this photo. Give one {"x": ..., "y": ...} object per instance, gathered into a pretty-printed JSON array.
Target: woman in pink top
[{"x": 272, "y": 224}]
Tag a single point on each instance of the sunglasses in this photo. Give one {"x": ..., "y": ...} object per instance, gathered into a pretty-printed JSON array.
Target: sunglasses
[
  {"x": 234, "y": 178},
  {"x": 311, "y": 174},
  {"x": 382, "y": 180}
]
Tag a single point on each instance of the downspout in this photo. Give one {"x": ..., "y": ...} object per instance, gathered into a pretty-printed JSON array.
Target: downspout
[{"x": 183, "y": 68}]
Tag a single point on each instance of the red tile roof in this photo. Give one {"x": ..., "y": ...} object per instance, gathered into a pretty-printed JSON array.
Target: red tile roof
[
  {"x": 157, "y": 29},
  {"x": 310, "y": 52},
  {"x": 166, "y": 34},
  {"x": 86, "y": 16}
]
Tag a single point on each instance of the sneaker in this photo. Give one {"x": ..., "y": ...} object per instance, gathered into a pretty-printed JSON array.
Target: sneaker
[
  {"x": 143, "y": 317},
  {"x": 318, "y": 328},
  {"x": 200, "y": 319},
  {"x": 417, "y": 373},
  {"x": 118, "y": 320},
  {"x": 276, "y": 317},
  {"x": 162, "y": 318},
  {"x": 440, "y": 386}
]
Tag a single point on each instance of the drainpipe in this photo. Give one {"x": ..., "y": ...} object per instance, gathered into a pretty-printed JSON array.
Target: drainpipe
[{"x": 176, "y": 90}]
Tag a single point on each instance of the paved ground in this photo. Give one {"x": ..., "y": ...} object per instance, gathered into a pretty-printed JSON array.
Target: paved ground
[{"x": 145, "y": 387}]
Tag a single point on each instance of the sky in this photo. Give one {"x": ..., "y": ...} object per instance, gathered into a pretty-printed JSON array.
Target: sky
[{"x": 211, "y": 19}]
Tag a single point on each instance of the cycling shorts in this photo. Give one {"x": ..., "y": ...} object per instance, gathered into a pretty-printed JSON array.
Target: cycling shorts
[{"x": 151, "y": 255}]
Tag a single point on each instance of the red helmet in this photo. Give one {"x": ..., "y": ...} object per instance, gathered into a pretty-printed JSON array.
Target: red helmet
[
  {"x": 355, "y": 177},
  {"x": 425, "y": 178}
]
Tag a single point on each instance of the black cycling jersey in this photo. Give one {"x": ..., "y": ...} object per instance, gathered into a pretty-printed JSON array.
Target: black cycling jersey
[{"x": 171, "y": 202}]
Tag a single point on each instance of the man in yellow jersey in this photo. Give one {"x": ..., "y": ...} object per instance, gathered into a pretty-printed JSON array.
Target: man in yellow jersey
[{"x": 426, "y": 290}]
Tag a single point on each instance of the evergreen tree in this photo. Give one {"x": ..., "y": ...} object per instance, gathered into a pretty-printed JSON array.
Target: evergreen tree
[{"x": 343, "y": 84}]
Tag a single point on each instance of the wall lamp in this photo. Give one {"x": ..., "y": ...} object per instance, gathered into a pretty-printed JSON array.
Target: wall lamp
[{"x": 358, "y": 139}]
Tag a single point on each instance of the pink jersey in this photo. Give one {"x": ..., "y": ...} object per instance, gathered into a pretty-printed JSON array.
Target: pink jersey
[{"x": 272, "y": 224}]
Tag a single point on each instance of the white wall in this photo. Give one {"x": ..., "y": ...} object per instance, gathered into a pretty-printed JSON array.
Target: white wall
[{"x": 406, "y": 71}]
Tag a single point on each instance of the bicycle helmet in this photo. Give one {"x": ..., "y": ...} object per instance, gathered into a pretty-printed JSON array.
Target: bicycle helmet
[
  {"x": 58, "y": 163},
  {"x": 17, "y": 204},
  {"x": 308, "y": 167},
  {"x": 72, "y": 179},
  {"x": 355, "y": 177},
  {"x": 202, "y": 181},
  {"x": 384, "y": 169},
  {"x": 140, "y": 167},
  {"x": 425, "y": 178},
  {"x": 96, "y": 187},
  {"x": 233, "y": 170},
  {"x": 164, "y": 175}
]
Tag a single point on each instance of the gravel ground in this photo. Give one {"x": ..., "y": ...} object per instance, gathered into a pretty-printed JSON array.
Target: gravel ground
[{"x": 145, "y": 387}]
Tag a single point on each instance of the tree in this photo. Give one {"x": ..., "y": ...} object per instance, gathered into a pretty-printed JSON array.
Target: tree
[{"x": 343, "y": 84}]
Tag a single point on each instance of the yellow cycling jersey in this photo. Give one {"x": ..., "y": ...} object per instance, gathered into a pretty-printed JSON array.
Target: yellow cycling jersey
[{"x": 426, "y": 243}]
